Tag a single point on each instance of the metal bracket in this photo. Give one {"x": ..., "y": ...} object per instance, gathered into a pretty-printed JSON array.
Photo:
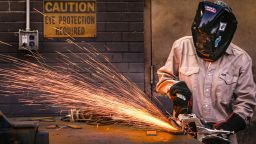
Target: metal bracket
[{"x": 28, "y": 40}]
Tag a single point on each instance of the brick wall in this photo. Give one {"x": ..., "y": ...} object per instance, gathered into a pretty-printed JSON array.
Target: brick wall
[{"x": 120, "y": 35}]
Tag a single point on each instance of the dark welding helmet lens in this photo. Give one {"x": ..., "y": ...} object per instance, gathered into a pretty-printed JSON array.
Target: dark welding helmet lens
[{"x": 212, "y": 30}]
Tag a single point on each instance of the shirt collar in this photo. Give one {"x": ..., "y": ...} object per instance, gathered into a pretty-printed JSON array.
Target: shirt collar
[{"x": 229, "y": 50}]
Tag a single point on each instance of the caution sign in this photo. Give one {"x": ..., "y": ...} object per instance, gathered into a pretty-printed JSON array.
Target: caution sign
[{"x": 69, "y": 18}]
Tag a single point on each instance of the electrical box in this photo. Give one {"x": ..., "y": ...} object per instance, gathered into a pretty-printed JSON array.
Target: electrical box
[{"x": 28, "y": 40}]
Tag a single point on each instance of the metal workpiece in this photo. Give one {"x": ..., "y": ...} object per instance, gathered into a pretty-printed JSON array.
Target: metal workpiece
[
  {"x": 204, "y": 130},
  {"x": 191, "y": 125}
]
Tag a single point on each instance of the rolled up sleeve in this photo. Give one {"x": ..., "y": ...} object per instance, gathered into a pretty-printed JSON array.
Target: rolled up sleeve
[{"x": 168, "y": 74}]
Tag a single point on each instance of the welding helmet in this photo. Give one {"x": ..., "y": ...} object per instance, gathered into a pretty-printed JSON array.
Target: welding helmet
[{"x": 213, "y": 29}]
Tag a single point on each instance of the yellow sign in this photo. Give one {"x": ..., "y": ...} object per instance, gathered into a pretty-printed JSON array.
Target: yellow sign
[{"x": 69, "y": 18}]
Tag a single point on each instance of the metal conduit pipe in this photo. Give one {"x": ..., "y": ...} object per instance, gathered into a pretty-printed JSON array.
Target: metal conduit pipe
[
  {"x": 27, "y": 15},
  {"x": 28, "y": 39}
]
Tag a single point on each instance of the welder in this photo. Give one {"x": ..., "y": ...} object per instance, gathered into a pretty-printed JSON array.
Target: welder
[{"x": 208, "y": 75}]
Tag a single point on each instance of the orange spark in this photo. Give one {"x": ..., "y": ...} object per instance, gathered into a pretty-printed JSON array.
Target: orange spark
[
  {"x": 103, "y": 91},
  {"x": 5, "y": 43},
  {"x": 100, "y": 89}
]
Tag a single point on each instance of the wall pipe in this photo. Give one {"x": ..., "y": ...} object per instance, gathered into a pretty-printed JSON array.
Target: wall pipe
[{"x": 27, "y": 15}]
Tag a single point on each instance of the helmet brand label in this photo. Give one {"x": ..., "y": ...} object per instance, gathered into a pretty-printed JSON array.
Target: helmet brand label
[
  {"x": 210, "y": 9},
  {"x": 222, "y": 26},
  {"x": 217, "y": 41}
]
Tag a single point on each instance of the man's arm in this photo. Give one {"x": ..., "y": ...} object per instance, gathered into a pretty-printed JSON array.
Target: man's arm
[
  {"x": 168, "y": 74},
  {"x": 244, "y": 104},
  {"x": 245, "y": 91}
]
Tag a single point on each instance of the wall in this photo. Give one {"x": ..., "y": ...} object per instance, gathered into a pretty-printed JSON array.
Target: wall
[
  {"x": 172, "y": 19},
  {"x": 120, "y": 35}
]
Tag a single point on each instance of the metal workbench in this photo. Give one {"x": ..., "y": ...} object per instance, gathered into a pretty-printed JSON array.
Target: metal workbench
[{"x": 108, "y": 134}]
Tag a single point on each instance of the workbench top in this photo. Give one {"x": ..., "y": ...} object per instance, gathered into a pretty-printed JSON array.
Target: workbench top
[{"x": 107, "y": 134}]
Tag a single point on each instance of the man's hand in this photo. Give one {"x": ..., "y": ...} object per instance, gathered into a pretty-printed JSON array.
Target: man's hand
[
  {"x": 233, "y": 123},
  {"x": 182, "y": 89},
  {"x": 180, "y": 94}
]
